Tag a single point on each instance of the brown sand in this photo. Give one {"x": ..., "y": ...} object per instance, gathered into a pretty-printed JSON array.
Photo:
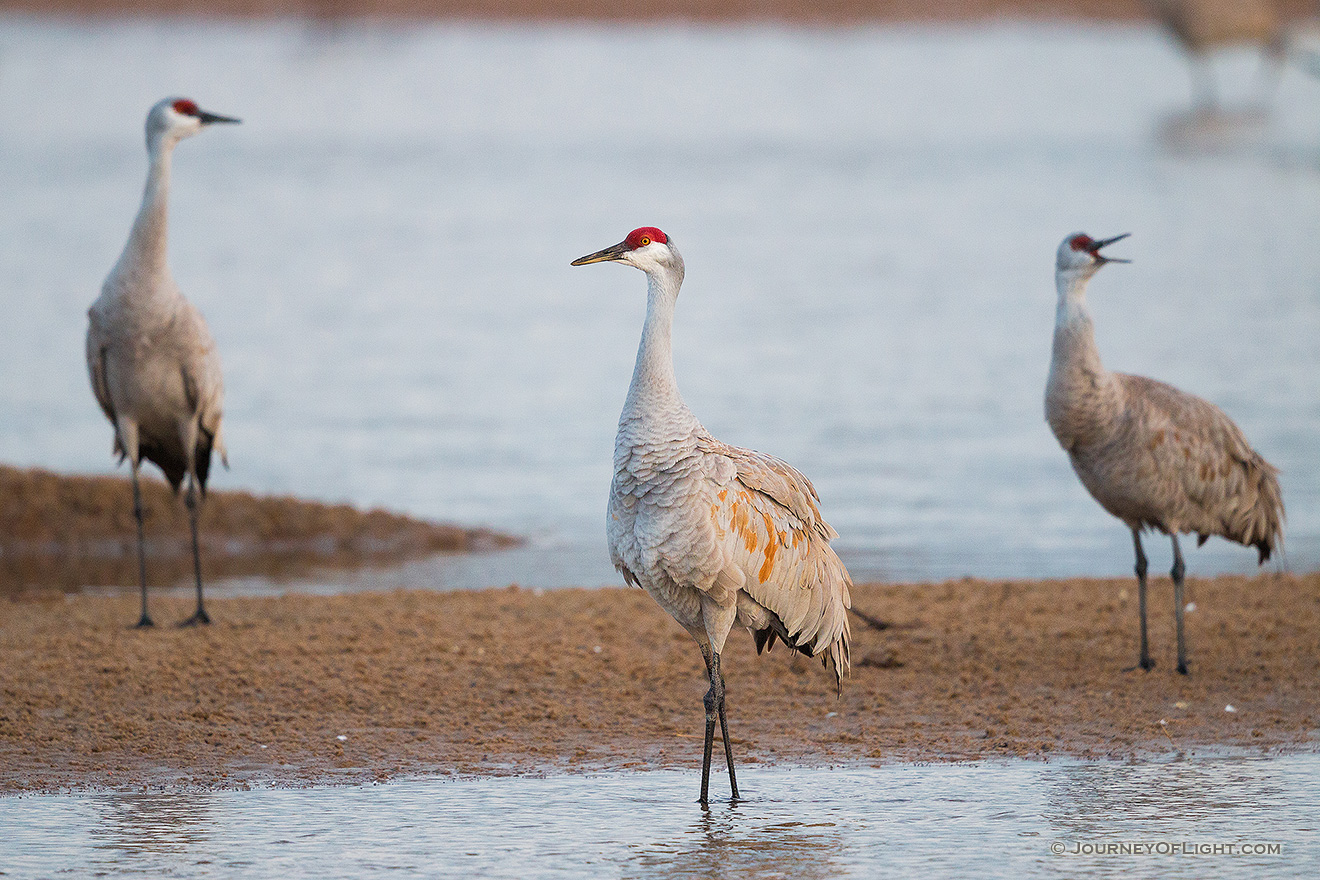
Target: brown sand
[
  {"x": 63, "y": 532},
  {"x": 623, "y": 11},
  {"x": 515, "y": 681}
]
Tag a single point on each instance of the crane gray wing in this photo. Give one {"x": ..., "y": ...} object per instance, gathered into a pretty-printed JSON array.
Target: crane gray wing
[
  {"x": 1202, "y": 465},
  {"x": 776, "y": 544},
  {"x": 779, "y": 482},
  {"x": 97, "y": 349},
  {"x": 203, "y": 386}
]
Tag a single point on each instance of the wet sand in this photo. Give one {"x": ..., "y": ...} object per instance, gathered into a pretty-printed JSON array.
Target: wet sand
[
  {"x": 625, "y": 11},
  {"x": 63, "y": 532},
  {"x": 515, "y": 681}
]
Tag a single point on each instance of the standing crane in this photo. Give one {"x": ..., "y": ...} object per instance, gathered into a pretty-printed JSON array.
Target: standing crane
[
  {"x": 1153, "y": 456},
  {"x": 1202, "y": 26},
  {"x": 153, "y": 363},
  {"x": 717, "y": 535}
]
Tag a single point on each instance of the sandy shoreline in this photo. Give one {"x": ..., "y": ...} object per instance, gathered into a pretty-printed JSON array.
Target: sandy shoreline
[
  {"x": 513, "y": 681},
  {"x": 66, "y": 531}
]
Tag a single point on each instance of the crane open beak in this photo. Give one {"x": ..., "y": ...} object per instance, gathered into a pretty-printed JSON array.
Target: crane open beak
[
  {"x": 209, "y": 118},
  {"x": 1095, "y": 249},
  {"x": 615, "y": 252}
]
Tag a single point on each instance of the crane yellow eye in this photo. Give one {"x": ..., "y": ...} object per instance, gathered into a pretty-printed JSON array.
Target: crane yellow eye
[{"x": 645, "y": 241}]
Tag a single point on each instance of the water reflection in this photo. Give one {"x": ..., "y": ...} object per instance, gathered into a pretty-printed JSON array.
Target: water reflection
[
  {"x": 1211, "y": 794},
  {"x": 739, "y": 841},
  {"x": 153, "y": 822},
  {"x": 1198, "y": 818}
]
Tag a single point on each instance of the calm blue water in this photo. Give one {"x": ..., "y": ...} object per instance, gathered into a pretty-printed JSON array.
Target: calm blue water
[
  {"x": 990, "y": 819},
  {"x": 869, "y": 218}
]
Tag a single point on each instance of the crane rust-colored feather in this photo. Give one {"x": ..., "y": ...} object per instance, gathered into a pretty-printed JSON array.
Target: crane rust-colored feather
[
  {"x": 768, "y": 519},
  {"x": 740, "y": 527}
]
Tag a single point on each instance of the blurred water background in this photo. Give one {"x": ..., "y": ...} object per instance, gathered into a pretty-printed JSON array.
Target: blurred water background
[{"x": 868, "y": 217}]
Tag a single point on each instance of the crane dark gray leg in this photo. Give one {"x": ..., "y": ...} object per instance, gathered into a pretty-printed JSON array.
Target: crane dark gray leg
[
  {"x": 1177, "y": 574},
  {"x": 714, "y": 703},
  {"x": 724, "y": 733},
  {"x": 712, "y": 714},
  {"x": 191, "y": 502},
  {"x": 145, "y": 619},
  {"x": 1203, "y": 84},
  {"x": 1145, "y": 662},
  {"x": 1270, "y": 72},
  {"x": 728, "y": 752}
]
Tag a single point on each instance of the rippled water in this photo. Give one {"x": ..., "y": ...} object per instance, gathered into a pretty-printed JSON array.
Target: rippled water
[
  {"x": 990, "y": 819},
  {"x": 868, "y": 216}
]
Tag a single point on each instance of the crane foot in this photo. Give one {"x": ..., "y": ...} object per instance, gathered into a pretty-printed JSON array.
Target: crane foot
[{"x": 200, "y": 618}]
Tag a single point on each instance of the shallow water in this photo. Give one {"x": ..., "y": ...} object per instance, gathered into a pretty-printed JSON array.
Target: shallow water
[
  {"x": 868, "y": 217},
  {"x": 989, "y": 819}
]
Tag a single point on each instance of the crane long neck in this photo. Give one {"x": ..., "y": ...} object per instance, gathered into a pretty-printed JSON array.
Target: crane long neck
[
  {"x": 654, "y": 388},
  {"x": 144, "y": 256},
  {"x": 1074, "y": 332},
  {"x": 1083, "y": 400}
]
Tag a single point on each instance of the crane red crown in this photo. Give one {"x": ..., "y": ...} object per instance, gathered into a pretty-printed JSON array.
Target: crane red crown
[
  {"x": 641, "y": 237},
  {"x": 1083, "y": 243},
  {"x": 187, "y": 108}
]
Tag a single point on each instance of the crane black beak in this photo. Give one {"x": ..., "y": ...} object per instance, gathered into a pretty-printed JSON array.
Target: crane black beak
[
  {"x": 616, "y": 252},
  {"x": 1095, "y": 249},
  {"x": 210, "y": 118}
]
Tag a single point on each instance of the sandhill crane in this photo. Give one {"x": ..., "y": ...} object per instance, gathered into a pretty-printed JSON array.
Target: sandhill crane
[
  {"x": 716, "y": 534},
  {"x": 1153, "y": 456},
  {"x": 1201, "y": 26},
  {"x": 153, "y": 364}
]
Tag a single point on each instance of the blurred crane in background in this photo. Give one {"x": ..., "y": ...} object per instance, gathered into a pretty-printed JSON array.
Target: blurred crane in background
[
  {"x": 1203, "y": 26},
  {"x": 153, "y": 364}
]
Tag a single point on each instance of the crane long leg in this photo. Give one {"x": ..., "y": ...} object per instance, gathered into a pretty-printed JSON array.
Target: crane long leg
[
  {"x": 1145, "y": 662},
  {"x": 1203, "y": 84},
  {"x": 190, "y": 500},
  {"x": 714, "y": 703},
  {"x": 724, "y": 733},
  {"x": 1270, "y": 72},
  {"x": 145, "y": 619},
  {"x": 1177, "y": 573},
  {"x": 710, "y": 735}
]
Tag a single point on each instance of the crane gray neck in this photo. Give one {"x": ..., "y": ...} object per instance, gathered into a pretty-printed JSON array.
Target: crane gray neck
[
  {"x": 654, "y": 388},
  {"x": 144, "y": 257},
  {"x": 1074, "y": 332},
  {"x": 1071, "y": 284}
]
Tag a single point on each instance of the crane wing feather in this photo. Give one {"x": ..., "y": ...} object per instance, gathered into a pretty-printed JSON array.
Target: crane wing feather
[
  {"x": 96, "y": 350},
  {"x": 202, "y": 380},
  {"x": 768, "y": 526},
  {"x": 1207, "y": 477}
]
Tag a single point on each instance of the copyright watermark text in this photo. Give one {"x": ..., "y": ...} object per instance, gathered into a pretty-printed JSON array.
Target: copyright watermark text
[{"x": 1118, "y": 848}]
